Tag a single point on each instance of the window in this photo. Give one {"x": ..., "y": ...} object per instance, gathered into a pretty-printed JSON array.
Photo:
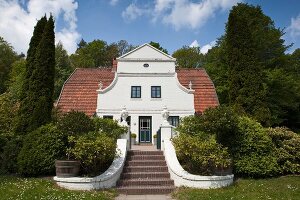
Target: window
[
  {"x": 135, "y": 91},
  {"x": 173, "y": 120},
  {"x": 155, "y": 92},
  {"x": 108, "y": 117}
]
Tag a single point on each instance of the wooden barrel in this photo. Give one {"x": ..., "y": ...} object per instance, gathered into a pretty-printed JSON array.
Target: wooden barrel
[{"x": 67, "y": 168}]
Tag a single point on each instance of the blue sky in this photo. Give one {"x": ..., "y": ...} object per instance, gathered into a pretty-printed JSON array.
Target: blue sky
[{"x": 172, "y": 23}]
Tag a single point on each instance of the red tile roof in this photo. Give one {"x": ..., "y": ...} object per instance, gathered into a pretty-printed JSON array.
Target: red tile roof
[
  {"x": 205, "y": 95},
  {"x": 79, "y": 92}
]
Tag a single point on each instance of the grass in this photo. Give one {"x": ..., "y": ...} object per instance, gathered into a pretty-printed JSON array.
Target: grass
[
  {"x": 16, "y": 188},
  {"x": 285, "y": 188}
]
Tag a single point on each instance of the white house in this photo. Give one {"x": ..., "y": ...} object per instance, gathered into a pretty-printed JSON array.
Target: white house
[{"x": 144, "y": 82}]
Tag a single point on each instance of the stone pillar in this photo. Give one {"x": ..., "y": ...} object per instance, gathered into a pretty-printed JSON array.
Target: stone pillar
[{"x": 165, "y": 128}]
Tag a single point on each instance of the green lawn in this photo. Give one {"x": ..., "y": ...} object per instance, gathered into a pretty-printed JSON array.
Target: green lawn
[
  {"x": 276, "y": 188},
  {"x": 34, "y": 188}
]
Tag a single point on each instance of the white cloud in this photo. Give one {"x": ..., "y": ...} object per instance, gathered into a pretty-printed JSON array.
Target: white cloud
[
  {"x": 207, "y": 47},
  {"x": 294, "y": 28},
  {"x": 132, "y": 12},
  {"x": 17, "y": 20},
  {"x": 194, "y": 44},
  {"x": 185, "y": 13},
  {"x": 113, "y": 2}
]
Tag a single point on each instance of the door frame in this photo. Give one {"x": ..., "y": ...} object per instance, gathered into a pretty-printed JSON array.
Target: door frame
[{"x": 145, "y": 117}]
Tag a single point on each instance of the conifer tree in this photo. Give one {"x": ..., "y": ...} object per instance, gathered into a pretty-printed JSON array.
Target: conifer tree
[
  {"x": 246, "y": 75},
  {"x": 37, "y": 91}
]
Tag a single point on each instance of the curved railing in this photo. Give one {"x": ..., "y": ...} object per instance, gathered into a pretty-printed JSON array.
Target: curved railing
[
  {"x": 106, "y": 180},
  {"x": 183, "y": 178}
]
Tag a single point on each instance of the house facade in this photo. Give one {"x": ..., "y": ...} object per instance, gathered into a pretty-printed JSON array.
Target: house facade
[{"x": 143, "y": 83}]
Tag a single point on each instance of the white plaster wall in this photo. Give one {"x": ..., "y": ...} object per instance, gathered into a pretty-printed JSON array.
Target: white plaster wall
[
  {"x": 138, "y": 66},
  {"x": 179, "y": 103}
]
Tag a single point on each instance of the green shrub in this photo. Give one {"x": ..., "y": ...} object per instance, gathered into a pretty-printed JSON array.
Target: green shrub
[
  {"x": 200, "y": 156},
  {"x": 109, "y": 127},
  {"x": 133, "y": 135},
  {"x": 221, "y": 122},
  {"x": 253, "y": 153},
  {"x": 95, "y": 152},
  {"x": 40, "y": 150},
  {"x": 10, "y": 154},
  {"x": 75, "y": 123},
  {"x": 287, "y": 149}
]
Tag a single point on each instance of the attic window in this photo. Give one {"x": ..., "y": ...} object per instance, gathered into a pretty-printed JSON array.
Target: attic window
[{"x": 146, "y": 65}]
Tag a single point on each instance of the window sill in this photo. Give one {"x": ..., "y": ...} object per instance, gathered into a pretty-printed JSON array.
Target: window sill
[
  {"x": 136, "y": 99},
  {"x": 156, "y": 99}
]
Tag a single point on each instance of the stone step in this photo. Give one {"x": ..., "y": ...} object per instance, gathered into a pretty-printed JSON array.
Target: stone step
[
  {"x": 146, "y": 157},
  {"x": 149, "y": 182},
  {"x": 137, "y": 152},
  {"x": 146, "y": 163},
  {"x": 144, "y": 175},
  {"x": 145, "y": 169},
  {"x": 146, "y": 189}
]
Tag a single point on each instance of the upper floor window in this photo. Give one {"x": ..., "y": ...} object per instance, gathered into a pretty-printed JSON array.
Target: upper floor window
[
  {"x": 155, "y": 92},
  {"x": 135, "y": 91}
]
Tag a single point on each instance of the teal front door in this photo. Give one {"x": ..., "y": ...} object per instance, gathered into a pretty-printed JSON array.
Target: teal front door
[{"x": 145, "y": 135}]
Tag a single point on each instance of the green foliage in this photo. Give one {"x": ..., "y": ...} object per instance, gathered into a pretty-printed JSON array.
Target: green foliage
[
  {"x": 94, "y": 54},
  {"x": 7, "y": 58},
  {"x": 63, "y": 68},
  {"x": 95, "y": 152},
  {"x": 40, "y": 150},
  {"x": 188, "y": 57},
  {"x": 8, "y": 111},
  {"x": 17, "y": 77},
  {"x": 124, "y": 47},
  {"x": 287, "y": 149},
  {"x": 200, "y": 156},
  {"x": 157, "y": 45},
  {"x": 10, "y": 153},
  {"x": 253, "y": 151},
  {"x": 133, "y": 135},
  {"x": 109, "y": 127},
  {"x": 37, "y": 91},
  {"x": 75, "y": 123},
  {"x": 246, "y": 89},
  {"x": 221, "y": 121}
]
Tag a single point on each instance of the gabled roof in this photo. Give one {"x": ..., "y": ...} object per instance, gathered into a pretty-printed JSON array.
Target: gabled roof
[
  {"x": 79, "y": 92},
  {"x": 146, "y": 51},
  {"x": 205, "y": 95}
]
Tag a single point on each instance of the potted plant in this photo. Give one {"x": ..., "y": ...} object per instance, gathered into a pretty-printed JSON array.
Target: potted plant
[
  {"x": 68, "y": 167},
  {"x": 133, "y": 138},
  {"x": 155, "y": 139}
]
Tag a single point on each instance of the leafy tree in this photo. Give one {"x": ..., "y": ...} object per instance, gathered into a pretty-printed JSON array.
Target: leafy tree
[
  {"x": 7, "y": 58},
  {"x": 17, "y": 77},
  {"x": 94, "y": 54},
  {"x": 157, "y": 45},
  {"x": 217, "y": 68},
  {"x": 63, "y": 68},
  {"x": 188, "y": 57},
  {"x": 37, "y": 93},
  {"x": 124, "y": 47}
]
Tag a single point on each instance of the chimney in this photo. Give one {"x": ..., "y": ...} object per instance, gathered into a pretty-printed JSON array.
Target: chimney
[{"x": 115, "y": 65}]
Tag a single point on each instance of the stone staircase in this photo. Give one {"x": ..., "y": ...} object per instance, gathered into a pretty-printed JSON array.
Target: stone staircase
[{"x": 145, "y": 172}]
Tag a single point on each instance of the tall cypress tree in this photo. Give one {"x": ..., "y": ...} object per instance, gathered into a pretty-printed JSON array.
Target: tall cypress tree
[
  {"x": 246, "y": 72},
  {"x": 42, "y": 87},
  {"x": 37, "y": 90}
]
